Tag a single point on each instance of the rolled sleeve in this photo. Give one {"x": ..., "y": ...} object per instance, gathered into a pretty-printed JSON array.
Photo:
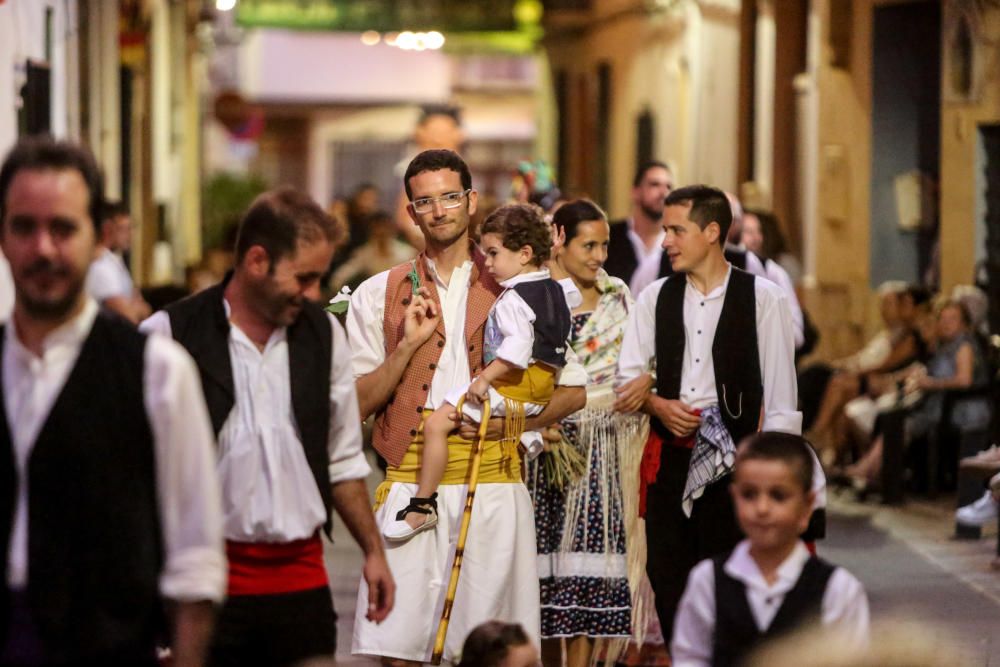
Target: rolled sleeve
[
  {"x": 694, "y": 629},
  {"x": 190, "y": 505},
  {"x": 347, "y": 460}
]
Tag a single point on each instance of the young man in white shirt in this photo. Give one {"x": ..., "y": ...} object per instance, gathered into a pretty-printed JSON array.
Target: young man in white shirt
[
  {"x": 720, "y": 343},
  {"x": 108, "y": 498},
  {"x": 108, "y": 280},
  {"x": 275, "y": 370}
]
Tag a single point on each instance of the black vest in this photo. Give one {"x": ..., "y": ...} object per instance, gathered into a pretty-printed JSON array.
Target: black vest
[
  {"x": 621, "y": 261},
  {"x": 552, "y": 320},
  {"x": 94, "y": 547},
  {"x": 199, "y": 323},
  {"x": 736, "y": 633},
  {"x": 734, "y": 352}
]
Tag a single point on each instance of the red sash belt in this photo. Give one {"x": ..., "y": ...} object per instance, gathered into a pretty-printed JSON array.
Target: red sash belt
[
  {"x": 649, "y": 467},
  {"x": 261, "y": 568}
]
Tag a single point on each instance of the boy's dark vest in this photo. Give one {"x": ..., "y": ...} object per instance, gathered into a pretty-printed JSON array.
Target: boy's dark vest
[
  {"x": 734, "y": 352},
  {"x": 200, "y": 324},
  {"x": 552, "y": 323},
  {"x": 94, "y": 543},
  {"x": 736, "y": 633}
]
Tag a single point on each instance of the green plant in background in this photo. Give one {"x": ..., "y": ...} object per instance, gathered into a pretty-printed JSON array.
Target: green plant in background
[{"x": 224, "y": 198}]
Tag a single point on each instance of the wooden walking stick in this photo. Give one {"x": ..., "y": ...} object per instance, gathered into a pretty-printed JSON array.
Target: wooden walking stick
[{"x": 463, "y": 532}]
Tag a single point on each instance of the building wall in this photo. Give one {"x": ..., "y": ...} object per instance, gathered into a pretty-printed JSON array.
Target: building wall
[{"x": 679, "y": 64}]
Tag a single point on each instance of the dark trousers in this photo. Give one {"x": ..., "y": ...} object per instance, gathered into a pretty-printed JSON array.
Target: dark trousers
[
  {"x": 275, "y": 630},
  {"x": 676, "y": 543}
]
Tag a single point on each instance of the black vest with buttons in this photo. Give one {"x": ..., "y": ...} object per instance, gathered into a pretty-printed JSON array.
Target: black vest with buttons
[
  {"x": 94, "y": 543},
  {"x": 734, "y": 352},
  {"x": 552, "y": 320},
  {"x": 736, "y": 632},
  {"x": 200, "y": 324}
]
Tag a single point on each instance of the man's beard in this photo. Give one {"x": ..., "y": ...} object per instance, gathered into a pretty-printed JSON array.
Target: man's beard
[
  {"x": 274, "y": 305},
  {"x": 651, "y": 213},
  {"x": 48, "y": 309}
]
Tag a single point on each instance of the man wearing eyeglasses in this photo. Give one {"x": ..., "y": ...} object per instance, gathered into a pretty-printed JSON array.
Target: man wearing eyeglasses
[{"x": 415, "y": 332}]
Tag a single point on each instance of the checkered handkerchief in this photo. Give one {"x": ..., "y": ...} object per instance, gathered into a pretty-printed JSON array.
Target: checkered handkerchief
[{"x": 713, "y": 456}]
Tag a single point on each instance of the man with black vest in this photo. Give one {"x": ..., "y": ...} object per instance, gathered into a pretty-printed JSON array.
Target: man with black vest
[
  {"x": 276, "y": 371},
  {"x": 635, "y": 252},
  {"x": 719, "y": 341},
  {"x": 109, "y": 502}
]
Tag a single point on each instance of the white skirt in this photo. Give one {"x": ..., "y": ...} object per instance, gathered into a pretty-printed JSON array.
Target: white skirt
[{"x": 499, "y": 578}]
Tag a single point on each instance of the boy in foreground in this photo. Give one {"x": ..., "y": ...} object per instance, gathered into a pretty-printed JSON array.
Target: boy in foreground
[{"x": 769, "y": 584}]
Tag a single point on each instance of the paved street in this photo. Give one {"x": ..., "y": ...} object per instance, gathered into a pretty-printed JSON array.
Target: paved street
[{"x": 905, "y": 557}]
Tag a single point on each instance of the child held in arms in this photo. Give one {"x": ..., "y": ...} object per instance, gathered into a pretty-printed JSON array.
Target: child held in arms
[
  {"x": 524, "y": 347},
  {"x": 769, "y": 584}
]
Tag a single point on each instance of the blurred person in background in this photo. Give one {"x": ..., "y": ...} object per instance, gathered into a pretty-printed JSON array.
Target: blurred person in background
[
  {"x": 635, "y": 251},
  {"x": 6, "y": 289},
  {"x": 109, "y": 280},
  {"x": 382, "y": 251}
]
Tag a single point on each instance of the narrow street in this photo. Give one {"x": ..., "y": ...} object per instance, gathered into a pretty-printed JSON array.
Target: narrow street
[{"x": 905, "y": 556}]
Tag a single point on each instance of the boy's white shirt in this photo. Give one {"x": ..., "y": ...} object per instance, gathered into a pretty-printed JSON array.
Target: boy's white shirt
[{"x": 844, "y": 609}]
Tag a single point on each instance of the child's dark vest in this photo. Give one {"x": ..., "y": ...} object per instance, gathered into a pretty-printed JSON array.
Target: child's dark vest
[
  {"x": 552, "y": 321},
  {"x": 736, "y": 633},
  {"x": 94, "y": 543},
  {"x": 199, "y": 323},
  {"x": 734, "y": 352}
]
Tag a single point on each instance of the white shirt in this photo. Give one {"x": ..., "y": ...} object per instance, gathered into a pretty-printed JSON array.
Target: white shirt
[
  {"x": 268, "y": 490},
  {"x": 366, "y": 315},
  {"x": 6, "y": 289},
  {"x": 776, "y": 274},
  {"x": 701, "y": 316},
  {"x": 187, "y": 488},
  {"x": 648, "y": 267},
  {"x": 844, "y": 609},
  {"x": 108, "y": 277}
]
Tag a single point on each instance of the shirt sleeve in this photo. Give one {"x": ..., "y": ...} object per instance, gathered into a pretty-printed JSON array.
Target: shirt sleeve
[
  {"x": 694, "y": 627},
  {"x": 347, "y": 460},
  {"x": 845, "y": 608},
  {"x": 776, "y": 348},
  {"x": 638, "y": 351},
  {"x": 515, "y": 318},
  {"x": 365, "y": 318},
  {"x": 158, "y": 323},
  {"x": 102, "y": 282},
  {"x": 573, "y": 374},
  {"x": 190, "y": 504},
  {"x": 779, "y": 277}
]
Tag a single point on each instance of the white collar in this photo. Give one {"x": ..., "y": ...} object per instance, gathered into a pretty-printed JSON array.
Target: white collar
[
  {"x": 528, "y": 277},
  {"x": 718, "y": 291},
  {"x": 743, "y": 567},
  {"x": 70, "y": 334}
]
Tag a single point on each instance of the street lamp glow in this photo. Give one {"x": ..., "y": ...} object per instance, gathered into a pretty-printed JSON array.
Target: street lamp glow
[
  {"x": 370, "y": 38},
  {"x": 225, "y": 5},
  {"x": 434, "y": 40},
  {"x": 406, "y": 40}
]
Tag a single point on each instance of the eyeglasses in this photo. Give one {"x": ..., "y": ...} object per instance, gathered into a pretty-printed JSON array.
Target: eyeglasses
[{"x": 450, "y": 200}]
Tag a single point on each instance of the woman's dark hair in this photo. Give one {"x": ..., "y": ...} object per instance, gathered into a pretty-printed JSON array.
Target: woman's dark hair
[
  {"x": 521, "y": 225},
  {"x": 488, "y": 643},
  {"x": 44, "y": 152},
  {"x": 570, "y": 215}
]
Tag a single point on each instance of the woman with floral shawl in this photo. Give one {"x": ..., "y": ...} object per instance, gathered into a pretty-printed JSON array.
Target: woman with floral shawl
[{"x": 580, "y": 508}]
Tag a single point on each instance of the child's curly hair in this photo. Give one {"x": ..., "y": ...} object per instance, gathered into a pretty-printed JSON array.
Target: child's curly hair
[{"x": 521, "y": 225}]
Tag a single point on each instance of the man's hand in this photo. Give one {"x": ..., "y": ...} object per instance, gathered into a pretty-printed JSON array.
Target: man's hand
[
  {"x": 381, "y": 587},
  {"x": 679, "y": 417},
  {"x": 551, "y": 436},
  {"x": 479, "y": 390},
  {"x": 632, "y": 395},
  {"x": 469, "y": 430},
  {"x": 420, "y": 319}
]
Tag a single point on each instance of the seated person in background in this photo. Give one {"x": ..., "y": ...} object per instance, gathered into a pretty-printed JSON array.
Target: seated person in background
[
  {"x": 108, "y": 279},
  {"x": 380, "y": 252},
  {"x": 957, "y": 363},
  {"x": 901, "y": 312},
  {"x": 498, "y": 644},
  {"x": 769, "y": 584}
]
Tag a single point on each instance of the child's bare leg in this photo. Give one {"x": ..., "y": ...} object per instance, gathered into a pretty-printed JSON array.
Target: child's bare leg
[{"x": 434, "y": 458}]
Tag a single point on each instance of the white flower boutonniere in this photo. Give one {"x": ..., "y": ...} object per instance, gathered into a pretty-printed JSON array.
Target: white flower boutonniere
[{"x": 338, "y": 304}]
